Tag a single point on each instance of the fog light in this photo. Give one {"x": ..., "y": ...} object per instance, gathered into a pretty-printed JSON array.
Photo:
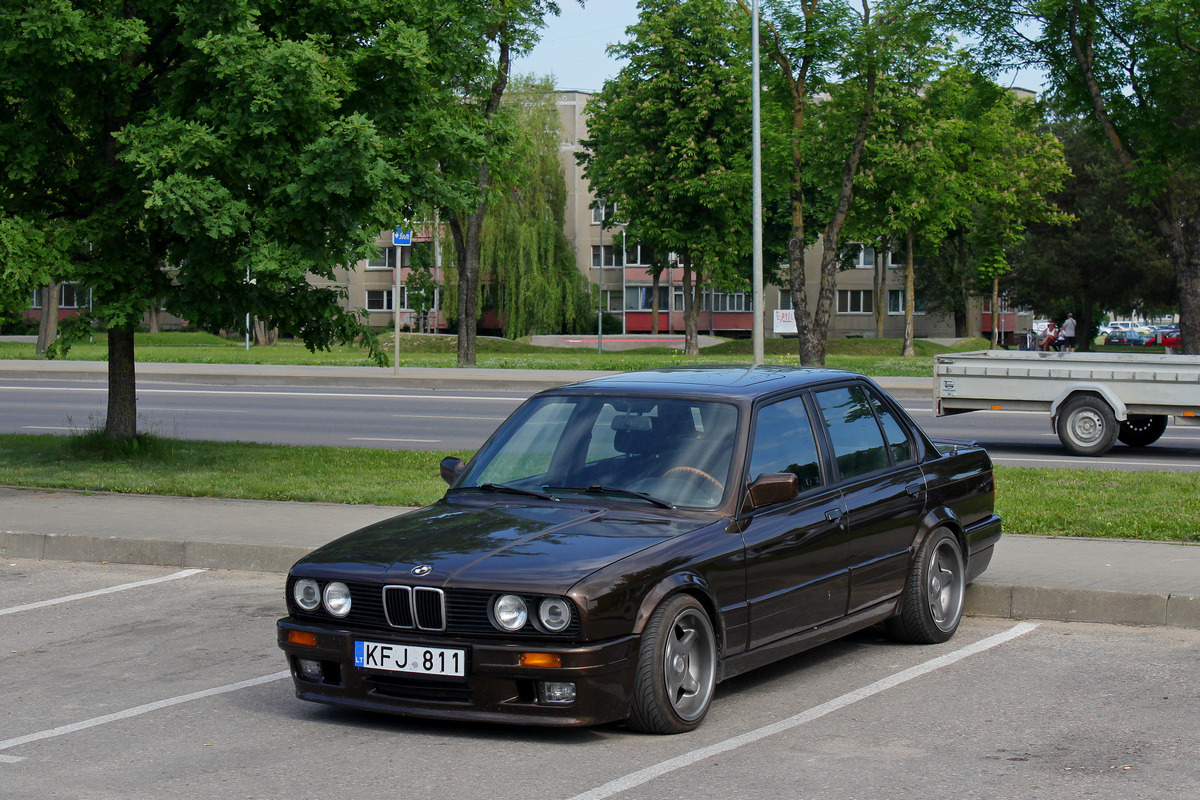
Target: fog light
[
  {"x": 556, "y": 692},
  {"x": 310, "y": 670}
]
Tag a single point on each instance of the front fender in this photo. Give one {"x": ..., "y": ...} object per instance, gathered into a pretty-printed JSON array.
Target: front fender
[{"x": 689, "y": 582}]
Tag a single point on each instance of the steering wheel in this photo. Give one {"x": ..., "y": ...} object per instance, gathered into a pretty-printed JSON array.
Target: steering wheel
[{"x": 694, "y": 471}]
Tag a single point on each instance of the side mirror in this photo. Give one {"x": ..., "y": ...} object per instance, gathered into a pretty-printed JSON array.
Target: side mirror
[
  {"x": 770, "y": 488},
  {"x": 451, "y": 468}
]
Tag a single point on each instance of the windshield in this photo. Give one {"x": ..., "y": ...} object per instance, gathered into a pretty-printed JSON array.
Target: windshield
[{"x": 659, "y": 451}]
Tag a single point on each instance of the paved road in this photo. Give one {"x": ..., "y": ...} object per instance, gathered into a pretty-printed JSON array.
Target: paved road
[{"x": 144, "y": 683}]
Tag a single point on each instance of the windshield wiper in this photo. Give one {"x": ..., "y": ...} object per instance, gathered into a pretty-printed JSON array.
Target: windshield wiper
[
  {"x": 599, "y": 489},
  {"x": 504, "y": 487}
]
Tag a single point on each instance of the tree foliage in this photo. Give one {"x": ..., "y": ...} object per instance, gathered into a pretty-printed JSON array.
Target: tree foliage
[
  {"x": 1134, "y": 66},
  {"x": 669, "y": 141},
  {"x": 526, "y": 257}
]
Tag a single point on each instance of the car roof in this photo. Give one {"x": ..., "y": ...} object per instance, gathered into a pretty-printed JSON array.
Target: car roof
[{"x": 714, "y": 380}]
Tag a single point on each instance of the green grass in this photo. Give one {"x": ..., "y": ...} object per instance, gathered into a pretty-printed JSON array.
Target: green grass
[
  {"x": 878, "y": 357},
  {"x": 1107, "y": 504}
]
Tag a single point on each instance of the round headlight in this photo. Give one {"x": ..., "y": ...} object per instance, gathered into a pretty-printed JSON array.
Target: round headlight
[
  {"x": 510, "y": 612},
  {"x": 337, "y": 599},
  {"x": 307, "y": 594},
  {"x": 555, "y": 614}
]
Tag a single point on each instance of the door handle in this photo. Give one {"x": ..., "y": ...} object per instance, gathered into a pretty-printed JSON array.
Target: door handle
[
  {"x": 836, "y": 515},
  {"x": 914, "y": 490}
]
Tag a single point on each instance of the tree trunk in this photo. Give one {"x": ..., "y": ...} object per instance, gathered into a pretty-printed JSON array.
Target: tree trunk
[
  {"x": 995, "y": 313},
  {"x": 909, "y": 301},
  {"x": 155, "y": 307},
  {"x": 121, "y": 423},
  {"x": 48, "y": 324},
  {"x": 691, "y": 308},
  {"x": 467, "y": 243},
  {"x": 654, "y": 307},
  {"x": 882, "y": 257}
]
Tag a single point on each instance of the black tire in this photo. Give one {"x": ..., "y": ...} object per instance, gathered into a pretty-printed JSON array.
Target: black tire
[
  {"x": 935, "y": 593},
  {"x": 677, "y": 668},
  {"x": 1140, "y": 430},
  {"x": 1086, "y": 426}
]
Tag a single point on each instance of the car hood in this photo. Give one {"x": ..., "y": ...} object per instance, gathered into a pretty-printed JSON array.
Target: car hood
[{"x": 544, "y": 548}]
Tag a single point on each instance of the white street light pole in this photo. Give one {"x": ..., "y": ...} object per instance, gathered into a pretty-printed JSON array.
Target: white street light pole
[{"x": 757, "y": 223}]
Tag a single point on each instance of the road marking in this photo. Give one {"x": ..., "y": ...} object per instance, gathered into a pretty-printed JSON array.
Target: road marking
[
  {"x": 443, "y": 416},
  {"x": 376, "y": 439},
  {"x": 47, "y": 428},
  {"x": 74, "y": 727},
  {"x": 254, "y": 393},
  {"x": 635, "y": 779},
  {"x": 174, "y": 576}
]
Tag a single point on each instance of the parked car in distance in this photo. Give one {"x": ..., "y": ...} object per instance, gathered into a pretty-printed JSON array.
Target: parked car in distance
[
  {"x": 1170, "y": 338},
  {"x": 1127, "y": 337},
  {"x": 620, "y": 546}
]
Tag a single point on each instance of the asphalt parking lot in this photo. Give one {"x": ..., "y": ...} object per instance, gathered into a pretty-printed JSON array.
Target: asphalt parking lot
[{"x": 127, "y": 681}]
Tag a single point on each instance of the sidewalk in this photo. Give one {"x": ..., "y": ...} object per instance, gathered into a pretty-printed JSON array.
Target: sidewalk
[{"x": 1085, "y": 580}]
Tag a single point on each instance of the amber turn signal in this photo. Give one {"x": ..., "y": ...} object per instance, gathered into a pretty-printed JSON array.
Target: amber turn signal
[
  {"x": 541, "y": 660},
  {"x": 302, "y": 637}
]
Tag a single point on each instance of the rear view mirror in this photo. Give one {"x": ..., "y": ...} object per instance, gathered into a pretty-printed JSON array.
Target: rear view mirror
[
  {"x": 770, "y": 488},
  {"x": 451, "y": 468}
]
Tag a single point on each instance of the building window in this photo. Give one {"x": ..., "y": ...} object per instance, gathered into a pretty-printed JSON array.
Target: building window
[
  {"x": 385, "y": 258},
  {"x": 855, "y": 301},
  {"x": 606, "y": 255},
  {"x": 612, "y": 300},
  {"x": 602, "y": 211},
  {"x": 896, "y": 302},
  {"x": 641, "y": 298},
  {"x": 379, "y": 299},
  {"x": 68, "y": 297},
  {"x": 728, "y": 301},
  {"x": 860, "y": 256},
  {"x": 37, "y": 299},
  {"x": 640, "y": 254}
]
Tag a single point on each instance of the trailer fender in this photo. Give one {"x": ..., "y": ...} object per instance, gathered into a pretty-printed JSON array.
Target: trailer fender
[{"x": 1106, "y": 394}]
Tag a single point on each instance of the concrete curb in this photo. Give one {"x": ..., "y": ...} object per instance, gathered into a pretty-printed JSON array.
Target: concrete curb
[{"x": 1083, "y": 605}]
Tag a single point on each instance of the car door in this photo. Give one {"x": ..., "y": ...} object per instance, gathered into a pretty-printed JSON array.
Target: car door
[
  {"x": 882, "y": 485},
  {"x": 796, "y": 556}
]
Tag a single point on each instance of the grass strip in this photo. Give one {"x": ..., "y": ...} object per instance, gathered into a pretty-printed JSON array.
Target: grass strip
[{"x": 1060, "y": 502}]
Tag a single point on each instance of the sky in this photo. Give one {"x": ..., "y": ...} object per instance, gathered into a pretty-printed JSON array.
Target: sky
[{"x": 573, "y": 44}]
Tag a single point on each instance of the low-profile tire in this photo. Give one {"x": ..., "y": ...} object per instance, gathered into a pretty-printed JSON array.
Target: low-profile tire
[
  {"x": 1141, "y": 429},
  {"x": 934, "y": 594},
  {"x": 1087, "y": 426},
  {"x": 677, "y": 668}
]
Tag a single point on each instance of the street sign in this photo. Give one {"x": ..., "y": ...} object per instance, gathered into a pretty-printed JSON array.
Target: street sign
[{"x": 401, "y": 237}]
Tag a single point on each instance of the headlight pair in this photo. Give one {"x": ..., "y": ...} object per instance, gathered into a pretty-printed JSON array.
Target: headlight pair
[
  {"x": 510, "y": 612},
  {"x": 336, "y": 596}
]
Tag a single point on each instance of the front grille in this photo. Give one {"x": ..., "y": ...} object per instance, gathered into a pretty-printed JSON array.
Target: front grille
[
  {"x": 420, "y": 607},
  {"x": 422, "y": 690}
]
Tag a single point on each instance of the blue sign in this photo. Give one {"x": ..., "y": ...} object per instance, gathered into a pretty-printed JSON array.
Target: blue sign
[{"x": 401, "y": 237}]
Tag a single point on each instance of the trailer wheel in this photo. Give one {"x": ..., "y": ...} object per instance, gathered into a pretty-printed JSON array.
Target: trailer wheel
[
  {"x": 1140, "y": 430},
  {"x": 1086, "y": 426}
]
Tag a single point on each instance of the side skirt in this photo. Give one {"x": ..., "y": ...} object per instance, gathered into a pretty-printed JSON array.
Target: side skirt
[{"x": 806, "y": 640}]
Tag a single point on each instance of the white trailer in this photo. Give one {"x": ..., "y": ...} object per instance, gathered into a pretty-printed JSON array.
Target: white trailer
[{"x": 1094, "y": 399}]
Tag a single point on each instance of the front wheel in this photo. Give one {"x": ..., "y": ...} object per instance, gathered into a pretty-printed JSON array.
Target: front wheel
[
  {"x": 932, "y": 604},
  {"x": 1140, "y": 430},
  {"x": 1087, "y": 426},
  {"x": 677, "y": 668}
]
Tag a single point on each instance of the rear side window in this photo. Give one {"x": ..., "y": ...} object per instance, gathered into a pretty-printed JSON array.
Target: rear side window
[
  {"x": 783, "y": 442},
  {"x": 893, "y": 432},
  {"x": 858, "y": 443}
]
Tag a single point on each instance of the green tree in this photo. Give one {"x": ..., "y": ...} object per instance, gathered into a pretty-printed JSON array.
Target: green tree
[
  {"x": 483, "y": 140},
  {"x": 1134, "y": 65},
  {"x": 192, "y": 144},
  {"x": 525, "y": 253},
  {"x": 669, "y": 142},
  {"x": 842, "y": 52}
]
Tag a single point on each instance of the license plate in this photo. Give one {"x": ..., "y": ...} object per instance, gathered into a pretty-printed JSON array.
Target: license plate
[{"x": 411, "y": 659}]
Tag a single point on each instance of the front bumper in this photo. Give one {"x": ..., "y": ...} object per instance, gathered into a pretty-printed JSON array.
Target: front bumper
[{"x": 496, "y": 688}]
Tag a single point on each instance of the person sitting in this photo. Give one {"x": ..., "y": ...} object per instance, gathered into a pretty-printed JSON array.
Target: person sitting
[{"x": 1050, "y": 337}]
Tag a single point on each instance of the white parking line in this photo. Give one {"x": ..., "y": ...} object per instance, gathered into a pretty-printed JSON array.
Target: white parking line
[
  {"x": 174, "y": 576},
  {"x": 73, "y": 727},
  {"x": 648, "y": 774}
]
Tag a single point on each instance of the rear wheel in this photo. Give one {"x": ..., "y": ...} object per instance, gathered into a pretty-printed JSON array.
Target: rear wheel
[
  {"x": 1087, "y": 426},
  {"x": 677, "y": 668},
  {"x": 932, "y": 604},
  {"x": 1140, "y": 430}
]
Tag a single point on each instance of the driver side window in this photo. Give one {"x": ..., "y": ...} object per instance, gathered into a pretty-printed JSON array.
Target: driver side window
[{"x": 784, "y": 442}]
